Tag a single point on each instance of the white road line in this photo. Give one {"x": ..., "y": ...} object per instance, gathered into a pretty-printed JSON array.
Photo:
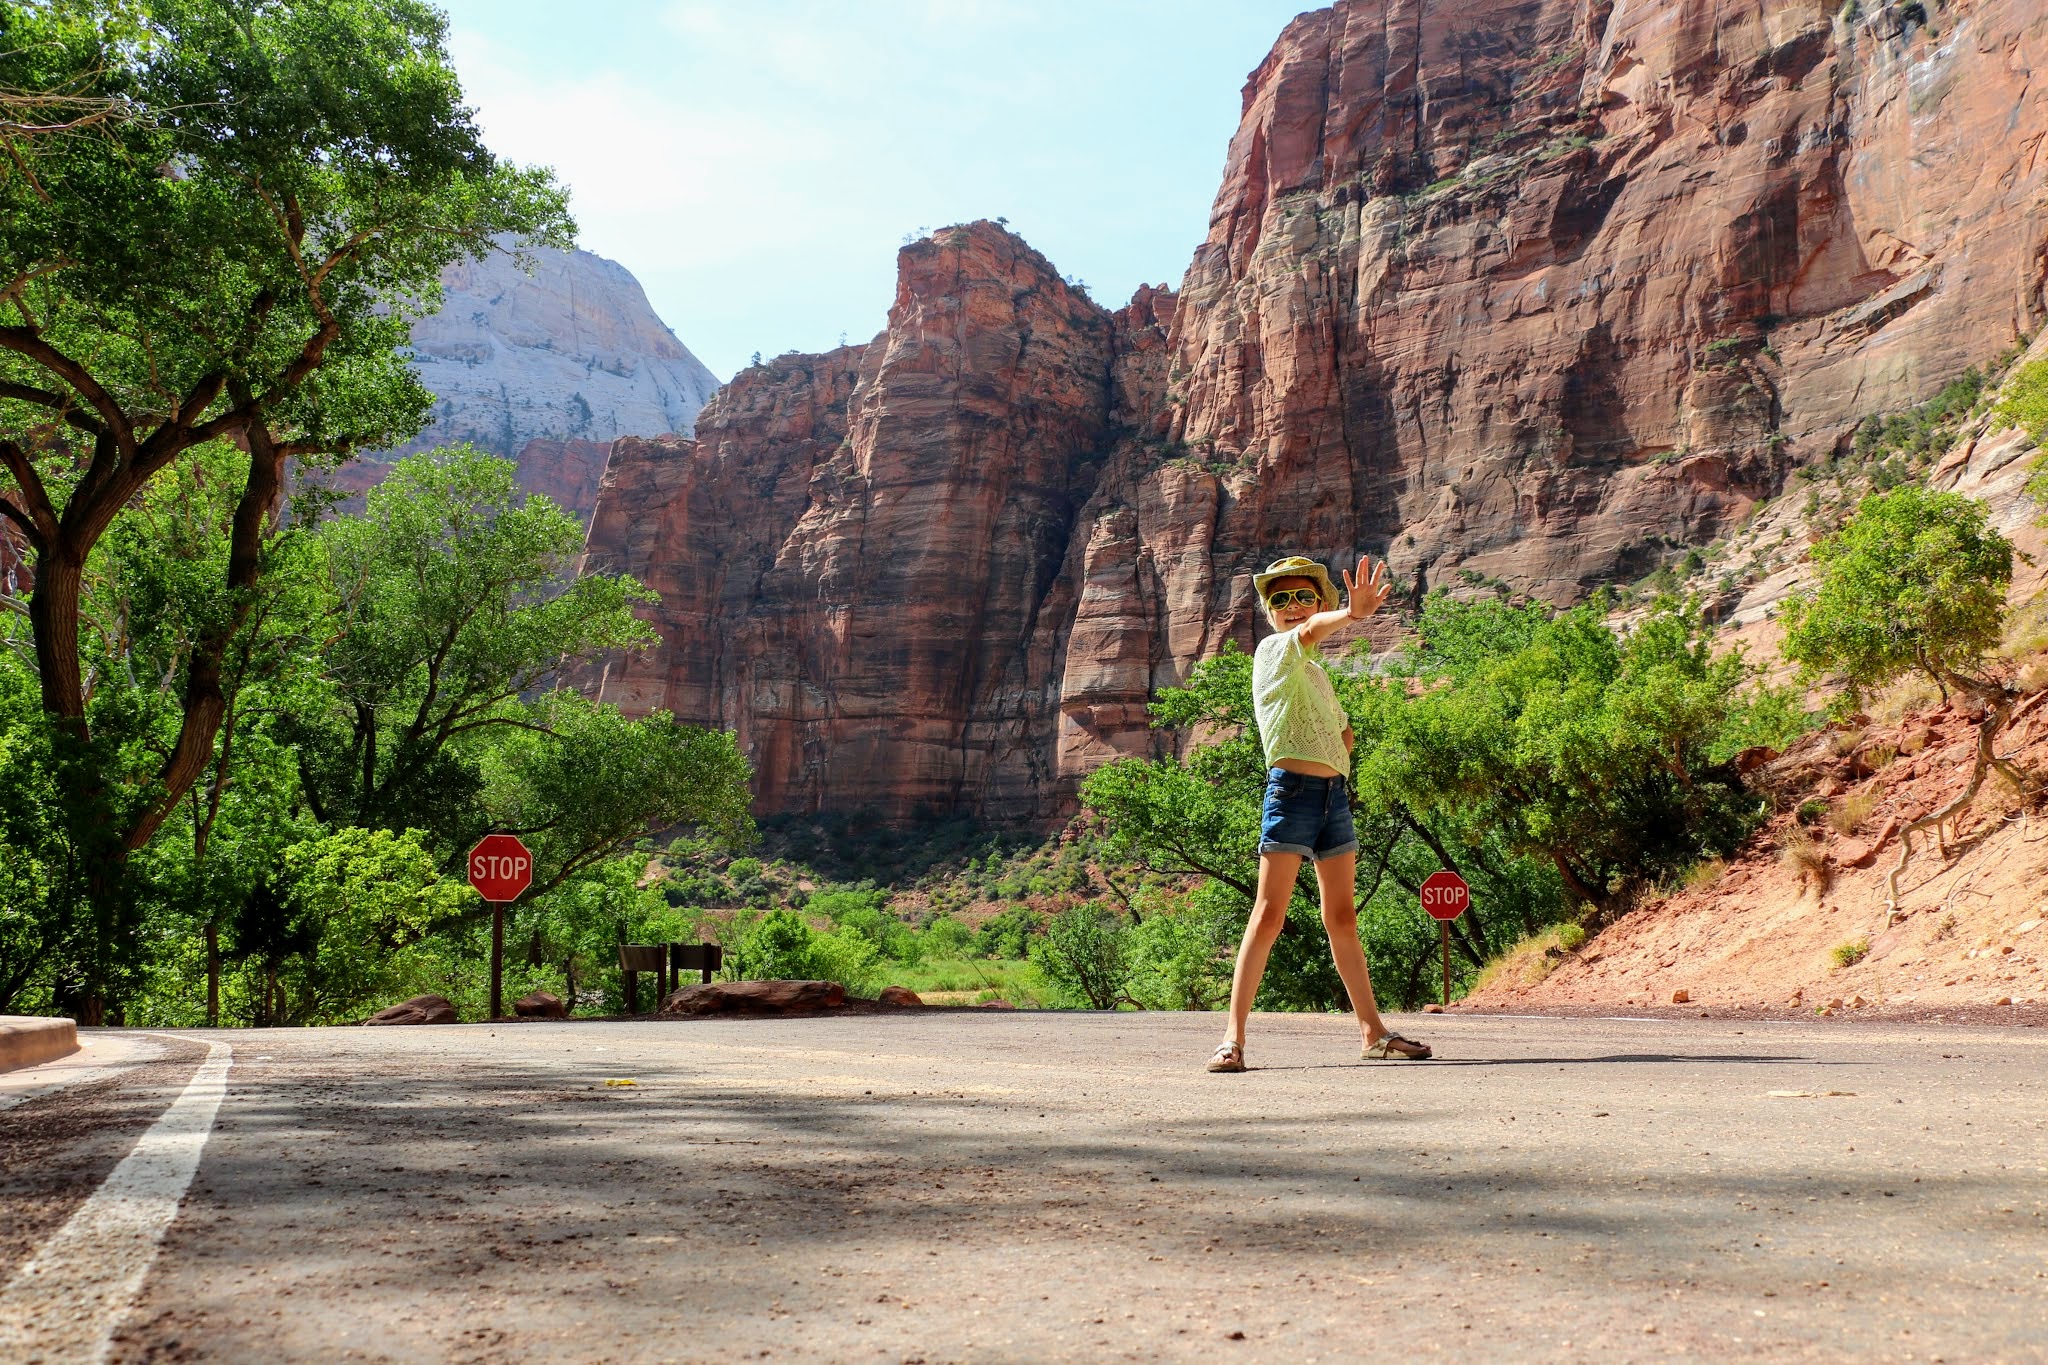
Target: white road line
[{"x": 64, "y": 1305}]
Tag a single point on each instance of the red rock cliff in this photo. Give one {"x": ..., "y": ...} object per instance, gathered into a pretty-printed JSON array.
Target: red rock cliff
[
  {"x": 1534, "y": 290},
  {"x": 854, "y": 552}
]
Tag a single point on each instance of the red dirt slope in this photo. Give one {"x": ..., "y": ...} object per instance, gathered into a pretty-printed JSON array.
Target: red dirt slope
[{"x": 1972, "y": 932}]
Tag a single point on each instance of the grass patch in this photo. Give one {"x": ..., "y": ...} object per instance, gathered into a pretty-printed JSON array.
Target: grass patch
[
  {"x": 1704, "y": 873},
  {"x": 1534, "y": 958},
  {"x": 1850, "y": 811},
  {"x": 1009, "y": 979},
  {"x": 1851, "y": 952},
  {"x": 1805, "y": 855}
]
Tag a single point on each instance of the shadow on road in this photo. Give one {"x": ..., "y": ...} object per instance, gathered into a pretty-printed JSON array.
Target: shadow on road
[{"x": 1638, "y": 1057}]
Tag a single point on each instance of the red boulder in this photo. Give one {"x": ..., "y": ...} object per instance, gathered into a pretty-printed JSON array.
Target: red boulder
[
  {"x": 421, "y": 1009},
  {"x": 756, "y": 997},
  {"x": 540, "y": 1005}
]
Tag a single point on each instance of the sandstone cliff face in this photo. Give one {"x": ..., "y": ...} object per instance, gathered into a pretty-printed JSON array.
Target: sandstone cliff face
[
  {"x": 856, "y": 547},
  {"x": 570, "y": 352},
  {"x": 1525, "y": 290},
  {"x": 546, "y": 369},
  {"x": 1533, "y": 289}
]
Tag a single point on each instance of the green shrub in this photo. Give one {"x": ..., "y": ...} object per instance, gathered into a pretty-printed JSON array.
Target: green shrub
[
  {"x": 775, "y": 947},
  {"x": 1181, "y": 959},
  {"x": 1850, "y": 953},
  {"x": 1085, "y": 956},
  {"x": 1009, "y": 933},
  {"x": 1915, "y": 580},
  {"x": 946, "y": 938},
  {"x": 850, "y": 959}
]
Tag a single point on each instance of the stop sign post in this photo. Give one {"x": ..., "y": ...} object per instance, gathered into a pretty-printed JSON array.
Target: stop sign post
[
  {"x": 1445, "y": 897},
  {"x": 501, "y": 869}
]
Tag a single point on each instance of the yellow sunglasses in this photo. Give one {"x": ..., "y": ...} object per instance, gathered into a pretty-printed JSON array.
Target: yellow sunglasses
[{"x": 1308, "y": 597}]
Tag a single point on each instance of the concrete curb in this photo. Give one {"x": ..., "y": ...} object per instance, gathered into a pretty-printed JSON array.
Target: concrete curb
[{"x": 28, "y": 1041}]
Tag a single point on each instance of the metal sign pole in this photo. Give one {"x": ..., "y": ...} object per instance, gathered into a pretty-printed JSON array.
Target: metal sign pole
[
  {"x": 497, "y": 958},
  {"x": 1445, "y": 925}
]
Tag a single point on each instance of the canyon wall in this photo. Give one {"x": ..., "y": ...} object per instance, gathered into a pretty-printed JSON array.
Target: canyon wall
[
  {"x": 546, "y": 367},
  {"x": 1527, "y": 292}
]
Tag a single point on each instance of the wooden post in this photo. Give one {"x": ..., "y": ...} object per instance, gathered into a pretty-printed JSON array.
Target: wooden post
[
  {"x": 1445, "y": 925},
  {"x": 635, "y": 958},
  {"x": 497, "y": 959}
]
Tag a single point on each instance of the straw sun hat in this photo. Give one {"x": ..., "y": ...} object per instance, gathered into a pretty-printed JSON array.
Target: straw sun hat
[{"x": 1295, "y": 566}]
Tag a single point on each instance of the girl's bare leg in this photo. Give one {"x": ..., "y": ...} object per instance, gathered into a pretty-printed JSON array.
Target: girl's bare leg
[
  {"x": 1269, "y": 912},
  {"x": 1337, "y": 880}
]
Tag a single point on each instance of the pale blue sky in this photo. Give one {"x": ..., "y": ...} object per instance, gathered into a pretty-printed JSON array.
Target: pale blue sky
[{"x": 756, "y": 163}]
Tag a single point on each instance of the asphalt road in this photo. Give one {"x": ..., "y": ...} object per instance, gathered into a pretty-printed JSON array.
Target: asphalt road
[{"x": 991, "y": 1186}]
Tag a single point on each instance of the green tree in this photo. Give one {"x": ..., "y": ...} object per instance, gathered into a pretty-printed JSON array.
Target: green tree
[
  {"x": 450, "y": 605},
  {"x": 337, "y": 927},
  {"x": 151, "y": 591},
  {"x": 579, "y": 782},
  {"x": 1537, "y": 753},
  {"x": 1201, "y": 816},
  {"x": 237, "y": 258},
  {"x": 1603, "y": 757},
  {"x": 42, "y": 882},
  {"x": 1085, "y": 954},
  {"x": 1914, "y": 582}
]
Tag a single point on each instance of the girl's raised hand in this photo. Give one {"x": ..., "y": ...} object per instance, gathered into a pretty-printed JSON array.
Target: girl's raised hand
[{"x": 1367, "y": 592}]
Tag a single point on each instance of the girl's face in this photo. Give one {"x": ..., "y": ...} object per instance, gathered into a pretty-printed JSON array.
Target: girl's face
[{"x": 1292, "y": 614}]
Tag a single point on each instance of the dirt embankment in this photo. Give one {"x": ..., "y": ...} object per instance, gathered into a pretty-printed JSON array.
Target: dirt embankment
[{"x": 1798, "y": 921}]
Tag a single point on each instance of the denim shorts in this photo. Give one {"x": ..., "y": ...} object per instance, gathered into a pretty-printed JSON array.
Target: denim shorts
[{"x": 1307, "y": 815}]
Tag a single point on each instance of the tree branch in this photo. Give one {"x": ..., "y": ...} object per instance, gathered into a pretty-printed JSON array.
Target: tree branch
[
  {"x": 56, "y": 402},
  {"x": 38, "y": 517},
  {"x": 27, "y": 341}
]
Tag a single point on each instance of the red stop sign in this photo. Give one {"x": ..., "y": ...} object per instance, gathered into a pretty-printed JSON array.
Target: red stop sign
[
  {"x": 500, "y": 868},
  {"x": 1445, "y": 895}
]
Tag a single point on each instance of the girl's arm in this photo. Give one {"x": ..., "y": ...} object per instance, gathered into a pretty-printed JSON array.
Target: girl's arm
[{"x": 1364, "y": 593}]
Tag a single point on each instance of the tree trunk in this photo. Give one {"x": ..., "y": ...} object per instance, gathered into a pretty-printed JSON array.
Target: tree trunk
[
  {"x": 53, "y": 618},
  {"x": 212, "y": 974},
  {"x": 1998, "y": 706},
  {"x": 205, "y": 702},
  {"x": 1579, "y": 888}
]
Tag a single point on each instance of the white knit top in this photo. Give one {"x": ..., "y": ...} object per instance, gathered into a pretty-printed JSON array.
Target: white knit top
[{"x": 1296, "y": 706}]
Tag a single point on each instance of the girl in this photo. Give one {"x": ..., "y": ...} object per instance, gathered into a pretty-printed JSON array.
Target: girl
[{"x": 1308, "y": 809}]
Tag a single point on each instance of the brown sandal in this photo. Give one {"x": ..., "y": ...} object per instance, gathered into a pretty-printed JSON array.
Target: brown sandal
[
  {"x": 1228, "y": 1057},
  {"x": 1394, "y": 1047}
]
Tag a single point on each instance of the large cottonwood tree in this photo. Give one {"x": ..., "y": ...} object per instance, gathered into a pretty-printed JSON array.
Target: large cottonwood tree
[{"x": 237, "y": 257}]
